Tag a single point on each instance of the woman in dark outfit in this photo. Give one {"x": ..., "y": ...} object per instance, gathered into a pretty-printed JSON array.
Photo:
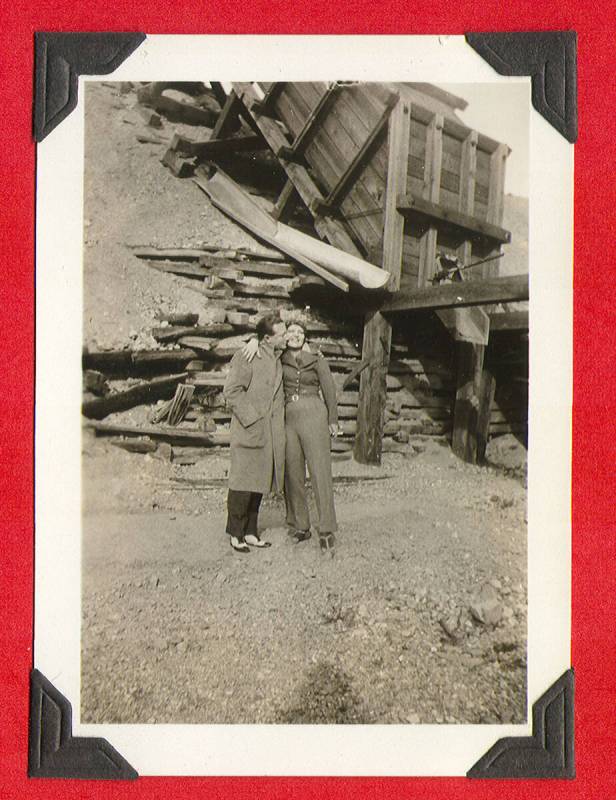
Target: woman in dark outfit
[{"x": 311, "y": 417}]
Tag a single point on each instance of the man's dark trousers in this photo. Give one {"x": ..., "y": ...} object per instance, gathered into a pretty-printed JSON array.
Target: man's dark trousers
[{"x": 242, "y": 513}]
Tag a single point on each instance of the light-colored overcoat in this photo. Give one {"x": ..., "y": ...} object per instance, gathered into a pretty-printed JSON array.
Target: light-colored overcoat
[{"x": 254, "y": 394}]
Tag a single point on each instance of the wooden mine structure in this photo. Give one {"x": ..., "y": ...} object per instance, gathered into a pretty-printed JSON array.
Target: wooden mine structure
[{"x": 391, "y": 174}]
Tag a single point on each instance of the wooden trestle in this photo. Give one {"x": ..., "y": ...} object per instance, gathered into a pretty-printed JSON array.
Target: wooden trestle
[{"x": 391, "y": 174}]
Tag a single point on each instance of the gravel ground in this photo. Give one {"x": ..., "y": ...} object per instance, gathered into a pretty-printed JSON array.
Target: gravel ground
[
  {"x": 177, "y": 627},
  {"x": 419, "y": 618}
]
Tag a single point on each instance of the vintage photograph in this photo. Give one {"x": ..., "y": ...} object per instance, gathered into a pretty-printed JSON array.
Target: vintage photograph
[{"x": 305, "y": 403}]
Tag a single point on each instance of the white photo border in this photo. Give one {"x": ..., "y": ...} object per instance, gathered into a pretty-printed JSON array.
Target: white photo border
[{"x": 350, "y": 750}]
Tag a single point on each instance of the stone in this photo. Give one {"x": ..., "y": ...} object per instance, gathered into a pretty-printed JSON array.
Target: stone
[{"x": 486, "y": 607}]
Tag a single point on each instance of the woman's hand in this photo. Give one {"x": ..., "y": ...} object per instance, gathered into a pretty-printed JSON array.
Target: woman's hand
[
  {"x": 334, "y": 429},
  {"x": 251, "y": 349}
]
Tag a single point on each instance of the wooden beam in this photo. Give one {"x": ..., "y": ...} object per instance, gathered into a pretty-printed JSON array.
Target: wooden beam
[
  {"x": 228, "y": 113},
  {"x": 376, "y": 347},
  {"x": 341, "y": 189},
  {"x": 466, "y": 414},
  {"x": 397, "y": 173},
  {"x": 507, "y": 289},
  {"x": 326, "y": 227},
  {"x": 509, "y": 321},
  {"x": 431, "y": 192},
  {"x": 487, "y": 387},
  {"x": 496, "y": 199},
  {"x": 216, "y": 147},
  {"x": 310, "y": 126},
  {"x": 145, "y": 392},
  {"x": 266, "y": 106},
  {"x": 286, "y": 203},
  {"x": 410, "y": 205}
]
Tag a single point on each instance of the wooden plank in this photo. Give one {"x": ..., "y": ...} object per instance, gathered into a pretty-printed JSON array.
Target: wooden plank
[
  {"x": 179, "y": 318},
  {"x": 314, "y": 119},
  {"x": 506, "y": 289},
  {"x": 509, "y": 321},
  {"x": 431, "y": 192},
  {"x": 216, "y": 147},
  {"x": 376, "y": 347},
  {"x": 496, "y": 198},
  {"x": 172, "y": 333},
  {"x": 466, "y": 203},
  {"x": 266, "y": 105},
  {"x": 258, "y": 268},
  {"x": 341, "y": 189},
  {"x": 325, "y": 226},
  {"x": 466, "y": 413},
  {"x": 166, "y": 434},
  {"x": 327, "y": 152},
  {"x": 177, "y": 268},
  {"x": 145, "y": 392},
  {"x": 496, "y": 191},
  {"x": 180, "y": 167},
  {"x": 465, "y": 223},
  {"x": 487, "y": 388},
  {"x": 399, "y": 142}
]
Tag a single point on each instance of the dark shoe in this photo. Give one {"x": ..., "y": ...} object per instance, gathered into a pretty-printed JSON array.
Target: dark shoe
[
  {"x": 239, "y": 545},
  {"x": 327, "y": 543},
  {"x": 297, "y": 536},
  {"x": 254, "y": 541}
]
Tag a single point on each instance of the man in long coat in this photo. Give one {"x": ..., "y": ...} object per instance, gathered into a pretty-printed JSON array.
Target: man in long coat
[{"x": 254, "y": 393}]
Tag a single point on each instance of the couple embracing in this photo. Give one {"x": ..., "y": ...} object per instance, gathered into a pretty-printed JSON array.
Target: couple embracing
[{"x": 283, "y": 404}]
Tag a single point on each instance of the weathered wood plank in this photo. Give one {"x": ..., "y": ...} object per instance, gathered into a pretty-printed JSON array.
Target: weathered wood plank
[
  {"x": 341, "y": 189},
  {"x": 216, "y": 147},
  {"x": 466, "y": 413},
  {"x": 263, "y": 269},
  {"x": 509, "y": 321},
  {"x": 431, "y": 192},
  {"x": 166, "y": 434},
  {"x": 145, "y": 392},
  {"x": 376, "y": 347},
  {"x": 327, "y": 226},
  {"x": 506, "y": 289},
  {"x": 487, "y": 387}
]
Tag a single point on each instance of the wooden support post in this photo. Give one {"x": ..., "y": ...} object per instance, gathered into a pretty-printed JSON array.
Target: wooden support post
[
  {"x": 226, "y": 116},
  {"x": 486, "y": 398},
  {"x": 466, "y": 202},
  {"x": 496, "y": 199},
  {"x": 431, "y": 192},
  {"x": 466, "y": 414},
  {"x": 376, "y": 345}
]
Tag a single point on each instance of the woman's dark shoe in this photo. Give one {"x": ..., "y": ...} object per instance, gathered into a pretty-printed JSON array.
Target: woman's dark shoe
[
  {"x": 327, "y": 543},
  {"x": 299, "y": 536},
  {"x": 239, "y": 545},
  {"x": 254, "y": 541}
]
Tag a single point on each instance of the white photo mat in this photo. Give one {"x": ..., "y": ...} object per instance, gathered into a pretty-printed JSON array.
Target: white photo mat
[{"x": 300, "y": 749}]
